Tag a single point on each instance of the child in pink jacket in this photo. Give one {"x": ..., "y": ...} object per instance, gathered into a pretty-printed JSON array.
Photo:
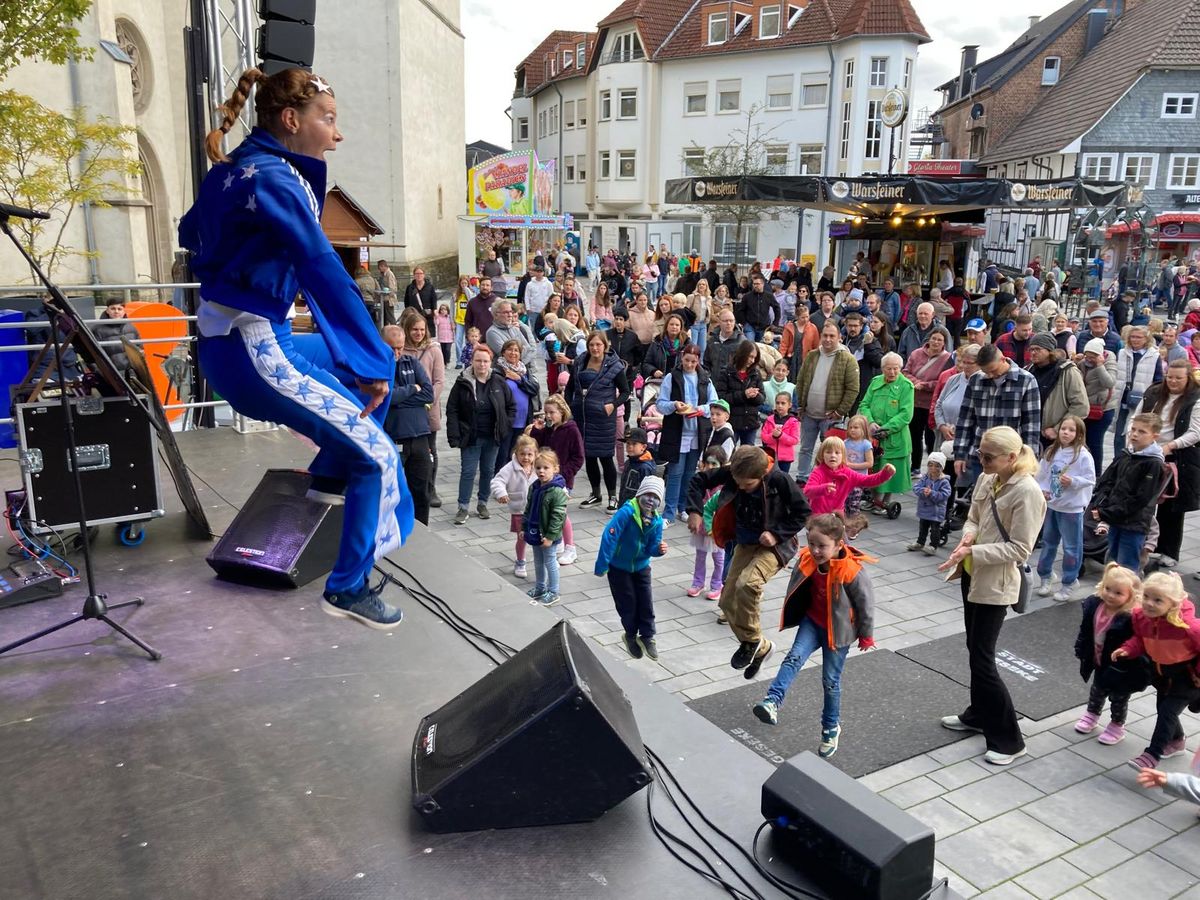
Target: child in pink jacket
[
  {"x": 832, "y": 480},
  {"x": 781, "y": 432}
]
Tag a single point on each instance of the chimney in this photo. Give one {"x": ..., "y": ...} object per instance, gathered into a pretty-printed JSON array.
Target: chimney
[
  {"x": 1033, "y": 20},
  {"x": 970, "y": 55},
  {"x": 1096, "y": 20}
]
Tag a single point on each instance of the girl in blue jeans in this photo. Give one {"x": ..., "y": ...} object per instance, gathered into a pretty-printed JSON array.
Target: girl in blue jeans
[
  {"x": 1066, "y": 475},
  {"x": 830, "y": 602}
]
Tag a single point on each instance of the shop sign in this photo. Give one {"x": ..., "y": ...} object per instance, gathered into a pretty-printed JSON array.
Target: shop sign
[{"x": 942, "y": 167}]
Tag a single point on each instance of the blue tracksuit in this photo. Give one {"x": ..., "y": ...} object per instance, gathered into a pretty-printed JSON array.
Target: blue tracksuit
[{"x": 256, "y": 234}]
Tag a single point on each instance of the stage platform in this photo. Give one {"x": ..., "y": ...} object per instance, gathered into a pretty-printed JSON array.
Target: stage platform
[{"x": 267, "y": 754}]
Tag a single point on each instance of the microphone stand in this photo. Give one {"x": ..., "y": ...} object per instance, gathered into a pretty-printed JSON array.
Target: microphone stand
[{"x": 96, "y": 605}]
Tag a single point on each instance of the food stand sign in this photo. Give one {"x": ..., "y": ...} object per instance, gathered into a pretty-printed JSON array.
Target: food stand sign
[{"x": 504, "y": 185}]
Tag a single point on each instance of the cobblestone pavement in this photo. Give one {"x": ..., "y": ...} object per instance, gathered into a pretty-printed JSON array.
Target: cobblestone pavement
[{"x": 1068, "y": 820}]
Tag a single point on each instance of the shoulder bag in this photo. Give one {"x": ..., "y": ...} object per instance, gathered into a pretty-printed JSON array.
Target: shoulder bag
[{"x": 1025, "y": 588}]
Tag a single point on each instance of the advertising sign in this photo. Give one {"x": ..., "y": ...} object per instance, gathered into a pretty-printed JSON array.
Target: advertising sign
[{"x": 504, "y": 185}]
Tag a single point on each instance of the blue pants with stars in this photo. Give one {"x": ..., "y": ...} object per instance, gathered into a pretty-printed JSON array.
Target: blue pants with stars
[{"x": 267, "y": 373}]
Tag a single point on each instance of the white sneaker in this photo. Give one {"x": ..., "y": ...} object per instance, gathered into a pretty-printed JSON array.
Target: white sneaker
[
  {"x": 569, "y": 555},
  {"x": 519, "y": 569},
  {"x": 1003, "y": 759},
  {"x": 1063, "y": 594},
  {"x": 1047, "y": 587}
]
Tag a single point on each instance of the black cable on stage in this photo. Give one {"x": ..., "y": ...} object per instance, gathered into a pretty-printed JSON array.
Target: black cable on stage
[{"x": 204, "y": 482}]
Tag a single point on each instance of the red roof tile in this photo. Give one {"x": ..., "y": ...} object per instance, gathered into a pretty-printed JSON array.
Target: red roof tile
[
  {"x": 882, "y": 17},
  {"x": 535, "y": 63}
]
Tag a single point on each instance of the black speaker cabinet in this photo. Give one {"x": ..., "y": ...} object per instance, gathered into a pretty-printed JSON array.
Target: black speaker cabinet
[
  {"x": 845, "y": 836},
  {"x": 545, "y": 739},
  {"x": 280, "y": 538}
]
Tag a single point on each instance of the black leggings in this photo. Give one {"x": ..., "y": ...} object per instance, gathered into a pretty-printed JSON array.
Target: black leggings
[
  {"x": 594, "y": 464},
  {"x": 921, "y": 434}
]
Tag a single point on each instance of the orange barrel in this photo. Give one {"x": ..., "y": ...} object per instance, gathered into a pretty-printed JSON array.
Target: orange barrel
[{"x": 161, "y": 338}]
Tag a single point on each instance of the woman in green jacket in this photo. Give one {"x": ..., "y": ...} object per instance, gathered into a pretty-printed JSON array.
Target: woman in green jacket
[{"x": 888, "y": 407}]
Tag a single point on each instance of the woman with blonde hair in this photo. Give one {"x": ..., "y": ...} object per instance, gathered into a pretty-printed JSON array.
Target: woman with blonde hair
[
  {"x": 1007, "y": 509},
  {"x": 700, "y": 304}
]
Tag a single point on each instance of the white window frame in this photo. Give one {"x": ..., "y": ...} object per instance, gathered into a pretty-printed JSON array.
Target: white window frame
[
  {"x": 629, "y": 156},
  {"x": 778, "y": 167},
  {"x": 581, "y": 168},
  {"x": 775, "y": 91},
  {"x": 766, "y": 12},
  {"x": 605, "y": 165},
  {"x": 809, "y": 150},
  {"x": 568, "y": 115},
  {"x": 1047, "y": 69},
  {"x": 908, "y": 68},
  {"x": 1183, "y": 102},
  {"x": 878, "y": 72},
  {"x": 1098, "y": 166},
  {"x": 740, "y": 21},
  {"x": 625, "y": 46},
  {"x": 873, "y": 142},
  {"x": 688, "y": 160},
  {"x": 568, "y": 59},
  {"x": 818, "y": 79},
  {"x": 736, "y": 90},
  {"x": 553, "y": 65},
  {"x": 794, "y": 12},
  {"x": 844, "y": 148},
  {"x": 729, "y": 230},
  {"x": 624, "y": 94},
  {"x": 1148, "y": 183},
  {"x": 542, "y": 124},
  {"x": 718, "y": 19},
  {"x": 523, "y": 128},
  {"x": 694, "y": 230},
  {"x": 580, "y": 54},
  {"x": 569, "y": 170},
  {"x": 848, "y": 75},
  {"x": 1174, "y": 185},
  {"x": 552, "y": 124},
  {"x": 605, "y": 105},
  {"x": 694, "y": 89},
  {"x": 581, "y": 112}
]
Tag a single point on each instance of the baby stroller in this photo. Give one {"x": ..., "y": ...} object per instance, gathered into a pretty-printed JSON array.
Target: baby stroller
[
  {"x": 892, "y": 508},
  {"x": 647, "y": 390}
]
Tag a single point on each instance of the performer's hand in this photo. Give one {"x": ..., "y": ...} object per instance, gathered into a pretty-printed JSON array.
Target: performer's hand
[{"x": 376, "y": 391}]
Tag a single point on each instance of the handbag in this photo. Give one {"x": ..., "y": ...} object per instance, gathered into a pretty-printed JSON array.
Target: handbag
[
  {"x": 1025, "y": 588},
  {"x": 1096, "y": 410}
]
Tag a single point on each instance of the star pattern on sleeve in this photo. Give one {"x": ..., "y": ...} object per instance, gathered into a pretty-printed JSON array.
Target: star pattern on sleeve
[
  {"x": 351, "y": 421},
  {"x": 249, "y": 171},
  {"x": 280, "y": 374},
  {"x": 228, "y": 181},
  {"x": 304, "y": 389},
  {"x": 262, "y": 348},
  {"x": 252, "y": 204}
]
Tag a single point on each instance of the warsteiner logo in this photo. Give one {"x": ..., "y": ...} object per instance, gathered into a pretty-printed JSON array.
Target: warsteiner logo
[
  {"x": 717, "y": 189},
  {"x": 701, "y": 189},
  {"x": 1018, "y": 192},
  {"x": 840, "y": 189}
]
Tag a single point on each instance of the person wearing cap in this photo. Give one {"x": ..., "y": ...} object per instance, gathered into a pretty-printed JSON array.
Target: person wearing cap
[
  {"x": 683, "y": 402},
  {"x": 1060, "y": 385},
  {"x": 1000, "y": 393},
  {"x": 1099, "y": 325},
  {"x": 1099, "y": 370},
  {"x": 632, "y": 536},
  {"x": 722, "y": 435},
  {"x": 976, "y": 332},
  {"x": 639, "y": 463}
]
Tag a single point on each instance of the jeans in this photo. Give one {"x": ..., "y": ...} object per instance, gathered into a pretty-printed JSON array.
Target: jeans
[
  {"x": 1096, "y": 429},
  {"x": 679, "y": 476},
  {"x": 699, "y": 334},
  {"x": 810, "y": 636},
  {"x": 749, "y": 332},
  {"x": 480, "y": 455},
  {"x": 746, "y": 436},
  {"x": 545, "y": 568},
  {"x": 632, "y": 597},
  {"x": 1125, "y": 547},
  {"x": 460, "y": 340},
  {"x": 991, "y": 707},
  {"x": 1069, "y": 528},
  {"x": 810, "y": 431}
]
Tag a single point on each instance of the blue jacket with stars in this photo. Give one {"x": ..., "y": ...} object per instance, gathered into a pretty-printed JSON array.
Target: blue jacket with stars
[{"x": 255, "y": 232}]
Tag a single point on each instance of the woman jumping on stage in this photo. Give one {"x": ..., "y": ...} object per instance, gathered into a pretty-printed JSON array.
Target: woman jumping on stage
[{"x": 256, "y": 238}]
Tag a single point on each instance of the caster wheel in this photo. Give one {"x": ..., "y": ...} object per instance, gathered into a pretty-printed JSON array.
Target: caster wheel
[
  {"x": 131, "y": 534},
  {"x": 893, "y": 510}
]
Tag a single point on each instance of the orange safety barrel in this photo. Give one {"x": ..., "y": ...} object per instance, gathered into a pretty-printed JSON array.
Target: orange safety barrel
[{"x": 161, "y": 338}]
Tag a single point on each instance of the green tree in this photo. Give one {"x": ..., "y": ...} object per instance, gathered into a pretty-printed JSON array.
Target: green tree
[
  {"x": 55, "y": 162},
  {"x": 747, "y": 152},
  {"x": 41, "y": 29}
]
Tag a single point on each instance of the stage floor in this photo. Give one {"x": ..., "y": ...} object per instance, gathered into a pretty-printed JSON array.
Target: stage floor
[{"x": 267, "y": 754}]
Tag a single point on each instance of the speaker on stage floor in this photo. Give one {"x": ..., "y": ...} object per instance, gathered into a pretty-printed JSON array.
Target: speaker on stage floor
[
  {"x": 845, "y": 836},
  {"x": 280, "y": 538},
  {"x": 547, "y": 738}
]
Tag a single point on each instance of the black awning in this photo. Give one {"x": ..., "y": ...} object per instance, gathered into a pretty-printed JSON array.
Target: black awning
[{"x": 895, "y": 194}]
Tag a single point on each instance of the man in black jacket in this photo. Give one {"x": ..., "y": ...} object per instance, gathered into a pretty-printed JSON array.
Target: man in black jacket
[
  {"x": 407, "y": 421},
  {"x": 479, "y": 414},
  {"x": 421, "y": 295},
  {"x": 758, "y": 309},
  {"x": 865, "y": 349}
]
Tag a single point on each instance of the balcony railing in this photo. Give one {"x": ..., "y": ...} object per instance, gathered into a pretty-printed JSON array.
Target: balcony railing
[{"x": 621, "y": 54}]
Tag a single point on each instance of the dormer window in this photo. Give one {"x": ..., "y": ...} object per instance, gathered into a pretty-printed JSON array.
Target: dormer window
[
  {"x": 626, "y": 47},
  {"x": 568, "y": 59},
  {"x": 794, "y": 14},
  {"x": 580, "y": 54},
  {"x": 768, "y": 22},
  {"x": 718, "y": 28},
  {"x": 1051, "y": 66},
  {"x": 740, "y": 22}
]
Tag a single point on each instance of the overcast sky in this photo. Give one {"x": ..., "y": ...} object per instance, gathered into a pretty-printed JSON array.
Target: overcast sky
[{"x": 500, "y": 35}]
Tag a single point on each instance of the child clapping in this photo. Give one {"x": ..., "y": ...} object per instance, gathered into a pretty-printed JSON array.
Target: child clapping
[{"x": 932, "y": 491}]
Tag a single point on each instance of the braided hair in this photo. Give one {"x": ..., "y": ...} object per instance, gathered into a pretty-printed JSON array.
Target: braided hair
[{"x": 293, "y": 88}]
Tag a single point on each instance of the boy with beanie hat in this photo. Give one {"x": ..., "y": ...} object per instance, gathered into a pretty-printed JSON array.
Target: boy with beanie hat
[{"x": 631, "y": 537}]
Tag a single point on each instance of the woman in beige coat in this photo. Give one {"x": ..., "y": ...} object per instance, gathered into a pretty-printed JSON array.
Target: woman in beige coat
[{"x": 1007, "y": 495}]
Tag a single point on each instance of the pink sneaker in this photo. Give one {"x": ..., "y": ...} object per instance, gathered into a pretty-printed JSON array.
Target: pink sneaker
[
  {"x": 1087, "y": 722},
  {"x": 694, "y": 590},
  {"x": 1174, "y": 748},
  {"x": 1113, "y": 734},
  {"x": 714, "y": 594},
  {"x": 1144, "y": 760}
]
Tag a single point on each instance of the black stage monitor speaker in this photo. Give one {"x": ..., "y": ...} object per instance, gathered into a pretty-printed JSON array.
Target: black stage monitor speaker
[
  {"x": 845, "y": 836},
  {"x": 547, "y": 738},
  {"x": 280, "y": 538}
]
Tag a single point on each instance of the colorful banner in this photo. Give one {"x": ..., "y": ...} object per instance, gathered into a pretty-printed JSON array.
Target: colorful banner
[{"x": 504, "y": 185}]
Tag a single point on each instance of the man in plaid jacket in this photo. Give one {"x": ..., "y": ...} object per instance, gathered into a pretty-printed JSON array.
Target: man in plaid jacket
[{"x": 1000, "y": 393}]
